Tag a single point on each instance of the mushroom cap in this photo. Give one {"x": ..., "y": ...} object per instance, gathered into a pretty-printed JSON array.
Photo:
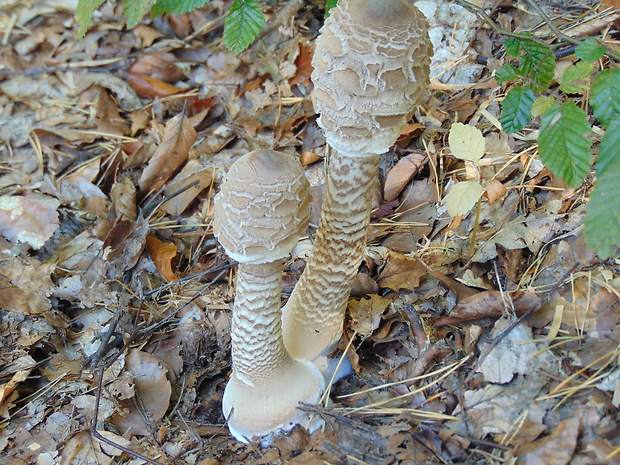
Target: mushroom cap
[
  {"x": 371, "y": 67},
  {"x": 262, "y": 207}
]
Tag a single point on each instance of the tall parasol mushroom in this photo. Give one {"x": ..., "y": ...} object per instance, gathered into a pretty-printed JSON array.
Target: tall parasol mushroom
[{"x": 371, "y": 67}]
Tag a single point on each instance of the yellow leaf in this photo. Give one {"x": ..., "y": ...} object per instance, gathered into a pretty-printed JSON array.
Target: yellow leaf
[
  {"x": 462, "y": 197},
  {"x": 466, "y": 142}
]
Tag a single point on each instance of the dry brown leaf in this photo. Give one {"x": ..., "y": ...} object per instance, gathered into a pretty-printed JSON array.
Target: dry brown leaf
[
  {"x": 162, "y": 255},
  {"x": 123, "y": 196},
  {"x": 495, "y": 190},
  {"x": 146, "y": 34},
  {"x": 8, "y": 393},
  {"x": 555, "y": 449},
  {"x": 29, "y": 220},
  {"x": 82, "y": 449},
  {"x": 401, "y": 272},
  {"x": 107, "y": 116},
  {"x": 153, "y": 390},
  {"x": 172, "y": 153},
  {"x": 401, "y": 174},
  {"x": 487, "y": 304},
  {"x": 303, "y": 62},
  {"x": 149, "y": 87},
  {"x": 176, "y": 190},
  {"x": 158, "y": 65},
  {"x": 366, "y": 313},
  {"x": 26, "y": 286}
]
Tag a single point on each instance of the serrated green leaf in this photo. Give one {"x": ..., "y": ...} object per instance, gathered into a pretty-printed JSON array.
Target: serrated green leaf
[
  {"x": 175, "y": 7},
  {"x": 609, "y": 150},
  {"x": 542, "y": 105},
  {"x": 329, "y": 5},
  {"x": 602, "y": 223},
  {"x": 538, "y": 62},
  {"x": 135, "y": 10},
  {"x": 564, "y": 145},
  {"x": 243, "y": 23},
  {"x": 605, "y": 94},
  {"x": 516, "y": 109},
  {"x": 506, "y": 73},
  {"x": 462, "y": 197},
  {"x": 84, "y": 14},
  {"x": 466, "y": 142},
  {"x": 576, "y": 78},
  {"x": 512, "y": 46},
  {"x": 589, "y": 50}
]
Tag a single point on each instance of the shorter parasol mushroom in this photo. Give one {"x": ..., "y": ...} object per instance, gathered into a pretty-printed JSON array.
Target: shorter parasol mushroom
[{"x": 260, "y": 212}]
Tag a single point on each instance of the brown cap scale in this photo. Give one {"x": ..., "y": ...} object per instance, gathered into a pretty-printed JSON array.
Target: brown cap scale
[
  {"x": 371, "y": 68},
  {"x": 259, "y": 214}
]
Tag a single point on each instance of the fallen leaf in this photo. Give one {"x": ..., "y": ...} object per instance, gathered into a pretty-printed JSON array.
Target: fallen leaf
[
  {"x": 107, "y": 116},
  {"x": 172, "y": 153},
  {"x": 555, "y": 449},
  {"x": 179, "y": 195},
  {"x": 162, "y": 255},
  {"x": 401, "y": 272},
  {"x": 487, "y": 304},
  {"x": 153, "y": 390},
  {"x": 366, "y": 313},
  {"x": 159, "y": 65},
  {"x": 398, "y": 177},
  {"x": 303, "y": 62},
  {"x": 152, "y": 88},
  {"x": 30, "y": 220}
]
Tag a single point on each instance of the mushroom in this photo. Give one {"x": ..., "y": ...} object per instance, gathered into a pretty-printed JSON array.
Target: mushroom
[
  {"x": 371, "y": 67},
  {"x": 259, "y": 214}
]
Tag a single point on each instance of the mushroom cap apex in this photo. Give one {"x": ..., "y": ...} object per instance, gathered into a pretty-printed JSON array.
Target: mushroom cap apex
[{"x": 262, "y": 207}]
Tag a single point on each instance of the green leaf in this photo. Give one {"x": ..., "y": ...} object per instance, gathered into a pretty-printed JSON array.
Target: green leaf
[
  {"x": 84, "y": 14},
  {"x": 602, "y": 223},
  {"x": 589, "y": 50},
  {"x": 605, "y": 94},
  {"x": 538, "y": 63},
  {"x": 462, "y": 197},
  {"x": 135, "y": 10},
  {"x": 563, "y": 143},
  {"x": 513, "y": 46},
  {"x": 542, "y": 105},
  {"x": 576, "y": 78},
  {"x": 516, "y": 109},
  {"x": 175, "y": 7},
  {"x": 506, "y": 73},
  {"x": 243, "y": 23},
  {"x": 609, "y": 150},
  {"x": 329, "y": 5}
]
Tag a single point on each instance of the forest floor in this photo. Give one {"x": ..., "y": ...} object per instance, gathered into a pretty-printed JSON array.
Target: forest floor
[{"x": 114, "y": 293}]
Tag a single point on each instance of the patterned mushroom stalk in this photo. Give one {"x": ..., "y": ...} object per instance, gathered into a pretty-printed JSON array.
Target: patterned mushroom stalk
[
  {"x": 260, "y": 212},
  {"x": 371, "y": 68}
]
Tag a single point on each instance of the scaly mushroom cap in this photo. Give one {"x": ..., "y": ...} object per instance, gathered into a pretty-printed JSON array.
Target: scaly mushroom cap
[
  {"x": 371, "y": 67},
  {"x": 262, "y": 207}
]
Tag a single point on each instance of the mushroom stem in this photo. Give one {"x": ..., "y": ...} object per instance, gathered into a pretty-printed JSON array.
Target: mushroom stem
[
  {"x": 256, "y": 333},
  {"x": 313, "y": 316}
]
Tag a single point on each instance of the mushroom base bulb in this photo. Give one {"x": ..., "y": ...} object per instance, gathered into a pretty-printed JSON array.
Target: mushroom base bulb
[{"x": 253, "y": 411}]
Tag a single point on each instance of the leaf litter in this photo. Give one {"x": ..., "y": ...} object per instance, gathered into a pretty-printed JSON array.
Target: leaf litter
[{"x": 115, "y": 299}]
